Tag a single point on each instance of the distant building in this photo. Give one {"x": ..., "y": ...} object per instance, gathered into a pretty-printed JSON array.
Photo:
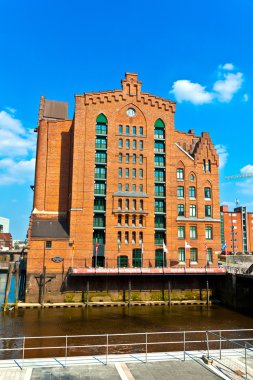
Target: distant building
[
  {"x": 4, "y": 225},
  {"x": 237, "y": 229}
]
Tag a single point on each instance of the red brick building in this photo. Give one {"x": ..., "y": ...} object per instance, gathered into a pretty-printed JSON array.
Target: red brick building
[
  {"x": 237, "y": 229},
  {"x": 117, "y": 183}
]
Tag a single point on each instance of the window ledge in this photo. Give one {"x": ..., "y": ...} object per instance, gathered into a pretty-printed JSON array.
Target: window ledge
[
  {"x": 181, "y": 263},
  {"x": 193, "y": 263}
]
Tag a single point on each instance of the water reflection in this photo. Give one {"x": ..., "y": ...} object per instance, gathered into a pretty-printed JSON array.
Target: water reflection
[{"x": 37, "y": 322}]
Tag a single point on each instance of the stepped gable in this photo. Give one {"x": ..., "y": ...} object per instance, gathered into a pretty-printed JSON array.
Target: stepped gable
[
  {"x": 204, "y": 148},
  {"x": 187, "y": 141},
  {"x": 131, "y": 88}
]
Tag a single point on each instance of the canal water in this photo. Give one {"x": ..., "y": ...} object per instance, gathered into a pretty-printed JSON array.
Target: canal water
[{"x": 116, "y": 320}]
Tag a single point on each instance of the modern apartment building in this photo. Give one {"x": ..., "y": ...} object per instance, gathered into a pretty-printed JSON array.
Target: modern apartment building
[
  {"x": 119, "y": 186},
  {"x": 237, "y": 229}
]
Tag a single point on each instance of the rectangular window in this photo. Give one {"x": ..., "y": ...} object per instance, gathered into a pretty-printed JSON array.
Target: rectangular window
[
  {"x": 100, "y": 157},
  {"x": 133, "y": 173},
  {"x": 141, "y": 204},
  {"x": 120, "y": 143},
  {"x": 100, "y": 172},
  {"x": 127, "y": 158},
  {"x": 99, "y": 188},
  {"x": 208, "y": 211},
  {"x": 127, "y": 173},
  {"x": 193, "y": 232},
  {"x": 159, "y": 160},
  {"x": 209, "y": 232},
  {"x": 209, "y": 255},
  {"x": 181, "y": 232},
  {"x": 99, "y": 204},
  {"x": 126, "y": 220},
  {"x": 180, "y": 191},
  {"x": 159, "y": 190},
  {"x": 133, "y": 220},
  {"x": 192, "y": 192},
  {"x": 141, "y": 221},
  {"x": 134, "y": 204},
  {"x": 120, "y": 157},
  {"x": 134, "y": 130},
  {"x": 159, "y": 206},
  {"x": 119, "y": 186},
  {"x": 101, "y": 129},
  {"x": 126, "y": 187},
  {"x": 194, "y": 255},
  {"x": 133, "y": 237},
  {"x": 180, "y": 210},
  {"x": 127, "y": 204},
  {"x": 120, "y": 172},
  {"x": 120, "y": 129},
  {"x": 126, "y": 238},
  {"x": 127, "y": 129},
  {"x": 133, "y": 187},
  {"x": 48, "y": 244},
  {"x": 141, "y": 131},
  {"x": 181, "y": 255},
  {"x": 180, "y": 174},
  {"x": 134, "y": 159},
  {"x": 127, "y": 144},
  {"x": 141, "y": 173},
  {"x": 141, "y": 159},
  {"x": 134, "y": 144},
  {"x": 207, "y": 192},
  {"x": 119, "y": 220},
  {"x": 193, "y": 210},
  {"x": 141, "y": 145},
  {"x": 141, "y": 188}
]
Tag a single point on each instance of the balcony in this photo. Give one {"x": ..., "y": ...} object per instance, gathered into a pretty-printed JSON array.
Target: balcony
[
  {"x": 159, "y": 150},
  {"x": 100, "y": 160},
  {"x": 100, "y": 176},
  {"x": 101, "y": 146}
]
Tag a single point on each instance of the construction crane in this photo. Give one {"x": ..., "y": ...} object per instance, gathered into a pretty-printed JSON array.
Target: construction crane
[{"x": 238, "y": 176}]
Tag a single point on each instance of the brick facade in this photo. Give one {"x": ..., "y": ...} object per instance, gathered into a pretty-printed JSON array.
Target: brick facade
[{"x": 116, "y": 178}]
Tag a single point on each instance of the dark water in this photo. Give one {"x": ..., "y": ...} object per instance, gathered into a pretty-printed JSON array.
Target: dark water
[{"x": 35, "y": 322}]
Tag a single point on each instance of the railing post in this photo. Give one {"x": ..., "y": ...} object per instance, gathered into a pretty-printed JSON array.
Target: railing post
[
  {"x": 23, "y": 352},
  {"x": 207, "y": 344},
  {"x": 107, "y": 340},
  {"x": 66, "y": 349},
  {"x": 246, "y": 368},
  {"x": 220, "y": 343},
  {"x": 146, "y": 347},
  {"x": 184, "y": 345}
]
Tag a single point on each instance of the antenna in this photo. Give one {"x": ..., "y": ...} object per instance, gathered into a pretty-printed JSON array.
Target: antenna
[{"x": 237, "y": 201}]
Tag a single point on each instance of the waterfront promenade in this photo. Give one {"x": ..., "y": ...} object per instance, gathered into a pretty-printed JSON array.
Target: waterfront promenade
[{"x": 166, "y": 365}]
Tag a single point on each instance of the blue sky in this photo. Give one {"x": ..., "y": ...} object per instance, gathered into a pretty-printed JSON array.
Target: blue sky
[{"x": 196, "y": 52}]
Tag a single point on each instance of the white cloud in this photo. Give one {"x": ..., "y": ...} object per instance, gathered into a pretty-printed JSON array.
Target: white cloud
[
  {"x": 245, "y": 98},
  {"x": 185, "y": 90},
  {"x": 17, "y": 146},
  {"x": 226, "y": 88},
  {"x": 223, "y": 89},
  {"x": 227, "y": 66},
  {"x": 16, "y": 172},
  {"x": 246, "y": 184},
  {"x": 223, "y": 155},
  {"x": 247, "y": 169}
]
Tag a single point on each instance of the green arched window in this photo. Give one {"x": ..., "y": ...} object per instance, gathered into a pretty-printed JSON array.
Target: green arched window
[
  {"x": 101, "y": 125},
  {"x": 159, "y": 129}
]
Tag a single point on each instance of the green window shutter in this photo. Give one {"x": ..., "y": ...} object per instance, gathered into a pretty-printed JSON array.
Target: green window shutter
[
  {"x": 159, "y": 123},
  {"x": 101, "y": 119}
]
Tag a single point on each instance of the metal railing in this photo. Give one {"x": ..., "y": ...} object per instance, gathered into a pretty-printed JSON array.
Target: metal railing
[
  {"x": 186, "y": 342},
  {"x": 241, "y": 346}
]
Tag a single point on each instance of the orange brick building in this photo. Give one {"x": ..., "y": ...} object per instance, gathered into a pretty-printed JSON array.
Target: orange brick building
[
  {"x": 237, "y": 229},
  {"x": 118, "y": 186}
]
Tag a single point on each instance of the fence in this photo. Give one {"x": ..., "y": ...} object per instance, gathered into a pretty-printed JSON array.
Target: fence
[{"x": 103, "y": 346}]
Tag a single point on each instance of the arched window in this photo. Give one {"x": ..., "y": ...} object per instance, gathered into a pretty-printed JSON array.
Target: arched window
[
  {"x": 159, "y": 129},
  {"x": 101, "y": 125}
]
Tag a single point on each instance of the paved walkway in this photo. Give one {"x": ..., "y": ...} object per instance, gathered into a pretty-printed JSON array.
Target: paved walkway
[
  {"x": 163, "y": 365},
  {"x": 171, "y": 370}
]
